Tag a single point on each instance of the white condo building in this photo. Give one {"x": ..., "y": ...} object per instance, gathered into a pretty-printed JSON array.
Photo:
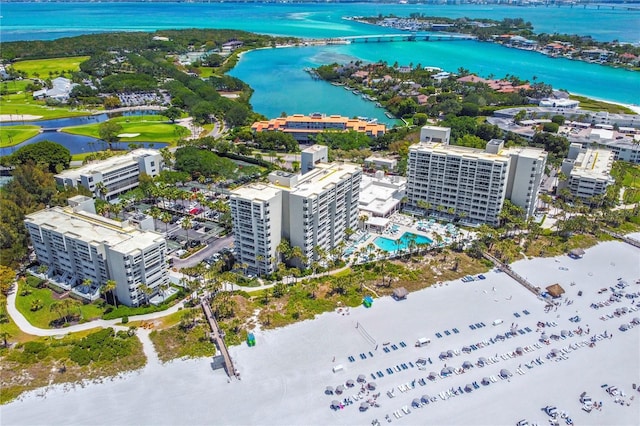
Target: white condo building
[
  {"x": 116, "y": 174},
  {"x": 471, "y": 183},
  {"x": 76, "y": 244},
  {"x": 309, "y": 210},
  {"x": 588, "y": 171}
]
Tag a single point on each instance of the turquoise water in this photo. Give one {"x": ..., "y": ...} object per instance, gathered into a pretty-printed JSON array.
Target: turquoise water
[
  {"x": 390, "y": 245},
  {"x": 277, "y": 74},
  {"x": 48, "y": 20}
]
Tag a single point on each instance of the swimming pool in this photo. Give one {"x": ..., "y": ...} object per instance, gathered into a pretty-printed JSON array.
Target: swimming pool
[{"x": 402, "y": 243}]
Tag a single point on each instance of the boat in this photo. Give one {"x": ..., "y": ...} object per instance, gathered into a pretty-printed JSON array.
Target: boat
[
  {"x": 389, "y": 115},
  {"x": 378, "y": 104},
  {"x": 356, "y": 92}
]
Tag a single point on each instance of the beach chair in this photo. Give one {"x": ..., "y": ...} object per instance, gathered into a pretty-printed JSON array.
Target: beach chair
[{"x": 473, "y": 327}]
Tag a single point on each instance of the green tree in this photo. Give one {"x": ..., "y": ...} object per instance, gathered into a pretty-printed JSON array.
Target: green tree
[
  {"x": 55, "y": 156},
  {"x": 109, "y": 131},
  {"x": 172, "y": 113}
]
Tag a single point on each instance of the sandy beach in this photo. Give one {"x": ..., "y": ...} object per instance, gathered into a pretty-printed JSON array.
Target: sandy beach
[
  {"x": 285, "y": 375},
  {"x": 19, "y": 117}
]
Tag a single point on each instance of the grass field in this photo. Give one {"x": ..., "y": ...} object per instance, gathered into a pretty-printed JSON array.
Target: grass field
[
  {"x": 151, "y": 128},
  {"x": 14, "y": 86},
  {"x": 13, "y": 135},
  {"x": 206, "y": 72},
  {"x": 43, "y": 317},
  {"x": 45, "y": 68},
  {"x": 23, "y": 104},
  {"x": 594, "y": 105}
]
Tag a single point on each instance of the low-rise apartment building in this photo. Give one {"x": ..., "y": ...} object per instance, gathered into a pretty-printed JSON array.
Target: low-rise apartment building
[
  {"x": 588, "y": 171},
  {"x": 111, "y": 177},
  {"x": 302, "y": 127}
]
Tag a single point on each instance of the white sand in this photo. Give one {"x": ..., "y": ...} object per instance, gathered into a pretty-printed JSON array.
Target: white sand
[
  {"x": 285, "y": 375},
  {"x": 19, "y": 117},
  {"x": 128, "y": 135}
]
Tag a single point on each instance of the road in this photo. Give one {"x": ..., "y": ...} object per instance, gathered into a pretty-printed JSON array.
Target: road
[{"x": 212, "y": 248}]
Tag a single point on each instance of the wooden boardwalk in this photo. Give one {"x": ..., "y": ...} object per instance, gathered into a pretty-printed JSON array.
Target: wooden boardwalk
[
  {"x": 219, "y": 340},
  {"x": 624, "y": 238},
  {"x": 507, "y": 270}
]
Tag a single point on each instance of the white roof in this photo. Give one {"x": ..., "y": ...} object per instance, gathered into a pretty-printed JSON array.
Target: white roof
[
  {"x": 109, "y": 164},
  {"x": 378, "y": 221}
]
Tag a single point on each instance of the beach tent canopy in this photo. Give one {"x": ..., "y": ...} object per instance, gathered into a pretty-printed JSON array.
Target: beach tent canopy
[
  {"x": 367, "y": 301},
  {"x": 371, "y": 386},
  {"x": 576, "y": 253},
  {"x": 364, "y": 406},
  {"x": 400, "y": 293},
  {"x": 329, "y": 390},
  {"x": 467, "y": 364},
  {"x": 636, "y": 320},
  {"x": 339, "y": 389},
  {"x": 468, "y": 388},
  {"x": 519, "y": 350},
  {"x": 450, "y": 353},
  {"x": 555, "y": 351},
  {"x": 433, "y": 375},
  {"x": 555, "y": 290},
  {"x": 335, "y": 404},
  {"x": 415, "y": 402},
  {"x": 425, "y": 398},
  {"x": 361, "y": 378},
  {"x": 505, "y": 373},
  {"x": 443, "y": 355},
  {"x": 446, "y": 370},
  {"x": 482, "y": 360},
  {"x": 564, "y": 333},
  {"x": 350, "y": 383},
  {"x": 544, "y": 336},
  {"x": 486, "y": 381}
]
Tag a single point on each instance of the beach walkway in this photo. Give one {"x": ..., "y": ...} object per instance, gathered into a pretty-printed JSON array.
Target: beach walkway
[
  {"x": 217, "y": 336},
  {"x": 507, "y": 270},
  {"x": 624, "y": 238}
]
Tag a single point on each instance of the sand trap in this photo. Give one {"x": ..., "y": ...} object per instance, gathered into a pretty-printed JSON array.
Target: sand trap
[
  {"x": 128, "y": 135},
  {"x": 19, "y": 117},
  {"x": 285, "y": 375}
]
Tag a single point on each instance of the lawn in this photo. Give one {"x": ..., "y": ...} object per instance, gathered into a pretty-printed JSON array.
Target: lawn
[
  {"x": 15, "y": 86},
  {"x": 23, "y": 104},
  {"x": 594, "y": 105},
  {"x": 43, "y": 317},
  {"x": 151, "y": 128},
  {"x": 206, "y": 72},
  {"x": 45, "y": 68},
  {"x": 13, "y": 135}
]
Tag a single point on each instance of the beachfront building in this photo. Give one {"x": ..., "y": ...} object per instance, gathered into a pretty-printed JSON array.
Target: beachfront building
[
  {"x": 588, "y": 171},
  {"x": 111, "y": 177},
  {"x": 309, "y": 210},
  {"x": 472, "y": 184},
  {"x": 303, "y": 127},
  {"x": 380, "y": 195},
  {"x": 78, "y": 246},
  {"x": 381, "y": 163}
]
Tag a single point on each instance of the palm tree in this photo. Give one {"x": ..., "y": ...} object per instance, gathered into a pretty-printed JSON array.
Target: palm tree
[
  {"x": 186, "y": 225},
  {"x": 36, "y": 305},
  {"x": 86, "y": 283},
  {"x": 155, "y": 213},
  {"x": 166, "y": 218},
  {"x": 5, "y": 335},
  {"x": 108, "y": 287},
  {"x": 163, "y": 288},
  {"x": 147, "y": 291}
]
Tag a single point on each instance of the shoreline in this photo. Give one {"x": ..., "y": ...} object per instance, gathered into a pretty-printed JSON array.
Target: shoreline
[{"x": 284, "y": 376}]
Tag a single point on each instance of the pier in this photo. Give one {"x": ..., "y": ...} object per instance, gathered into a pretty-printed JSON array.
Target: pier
[{"x": 217, "y": 337}]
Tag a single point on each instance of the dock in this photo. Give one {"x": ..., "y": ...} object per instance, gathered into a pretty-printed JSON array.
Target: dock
[
  {"x": 218, "y": 339},
  {"x": 507, "y": 270}
]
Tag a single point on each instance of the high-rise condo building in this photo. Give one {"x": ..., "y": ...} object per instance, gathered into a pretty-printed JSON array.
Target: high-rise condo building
[
  {"x": 111, "y": 177},
  {"x": 78, "y": 245},
  {"x": 472, "y": 184},
  {"x": 309, "y": 210}
]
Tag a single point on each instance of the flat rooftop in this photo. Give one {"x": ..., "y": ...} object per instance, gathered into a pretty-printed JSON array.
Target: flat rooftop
[
  {"x": 257, "y": 192},
  {"x": 455, "y": 150},
  {"x": 321, "y": 177},
  {"x": 91, "y": 228},
  {"x": 593, "y": 163},
  {"x": 109, "y": 164}
]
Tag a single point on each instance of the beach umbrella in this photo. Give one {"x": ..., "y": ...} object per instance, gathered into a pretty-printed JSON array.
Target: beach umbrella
[
  {"x": 335, "y": 404},
  {"x": 364, "y": 406},
  {"x": 519, "y": 350},
  {"x": 544, "y": 336},
  {"x": 433, "y": 375},
  {"x": 443, "y": 355},
  {"x": 361, "y": 378},
  {"x": 624, "y": 327},
  {"x": 339, "y": 389},
  {"x": 371, "y": 386},
  {"x": 564, "y": 333},
  {"x": 468, "y": 388},
  {"x": 486, "y": 381},
  {"x": 505, "y": 373},
  {"x": 446, "y": 370},
  {"x": 482, "y": 361},
  {"x": 350, "y": 383},
  {"x": 467, "y": 364},
  {"x": 466, "y": 349},
  {"x": 425, "y": 399},
  {"x": 416, "y": 402},
  {"x": 450, "y": 353},
  {"x": 329, "y": 390},
  {"x": 554, "y": 351},
  {"x": 636, "y": 320}
]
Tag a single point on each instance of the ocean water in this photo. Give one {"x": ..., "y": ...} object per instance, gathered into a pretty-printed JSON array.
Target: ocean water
[
  {"x": 41, "y": 21},
  {"x": 277, "y": 75}
]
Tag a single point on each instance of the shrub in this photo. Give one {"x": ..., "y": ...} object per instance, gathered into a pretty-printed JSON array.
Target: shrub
[{"x": 125, "y": 319}]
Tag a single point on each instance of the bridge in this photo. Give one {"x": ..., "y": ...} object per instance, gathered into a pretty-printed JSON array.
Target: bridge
[{"x": 379, "y": 38}]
